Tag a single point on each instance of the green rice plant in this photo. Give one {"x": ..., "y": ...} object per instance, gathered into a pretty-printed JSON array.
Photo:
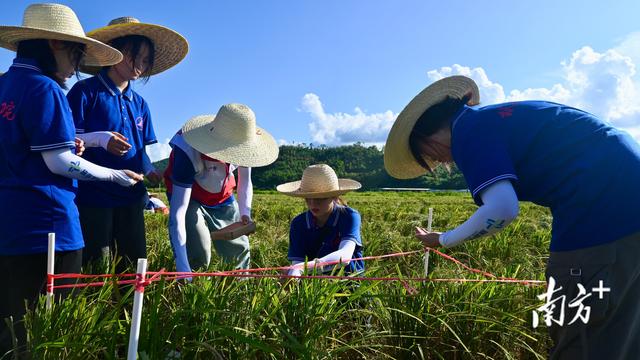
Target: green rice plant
[{"x": 263, "y": 318}]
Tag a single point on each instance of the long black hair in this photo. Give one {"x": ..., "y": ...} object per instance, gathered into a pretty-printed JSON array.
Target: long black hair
[
  {"x": 131, "y": 45},
  {"x": 433, "y": 119},
  {"x": 40, "y": 51}
]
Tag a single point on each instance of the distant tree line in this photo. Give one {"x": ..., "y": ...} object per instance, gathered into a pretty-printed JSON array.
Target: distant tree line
[{"x": 358, "y": 162}]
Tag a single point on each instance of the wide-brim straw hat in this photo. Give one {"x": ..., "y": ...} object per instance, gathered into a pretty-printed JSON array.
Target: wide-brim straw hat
[
  {"x": 57, "y": 22},
  {"x": 231, "y": 136},
  {"x": 170, "y": 46},
  {"x": 398, "y": 159},
  {"x": 318, "y": 181}
]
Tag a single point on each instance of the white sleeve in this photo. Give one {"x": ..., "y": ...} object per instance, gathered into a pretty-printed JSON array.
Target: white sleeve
[
  {"x": 343, "y": 255},
  {"x": 96, "y": 139},
  {"x": 64, "y": 163},
  {"x": 296, "y": 270},
  {"x": 147, "y": 167},
  {"x": 178, "y": 205},
  {"x": 245, "y": 190},
  {"x": 499, "y": 209}
]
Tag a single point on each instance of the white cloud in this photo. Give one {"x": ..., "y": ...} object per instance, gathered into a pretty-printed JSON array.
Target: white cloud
[
  {"x": 603, "y": 83},
  {"x": 490, "y": 92},
  {"x": 343, "y": 128},
  {"x": 159, "y": 150}
]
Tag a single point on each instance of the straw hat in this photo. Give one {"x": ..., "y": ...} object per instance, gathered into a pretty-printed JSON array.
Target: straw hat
[
  {"x": 318, "y": 181},
  {"x": 231, "y": 136},
  {"x": 57, "y": 22},
  {"x": 398, "y": 159},
  {"x": 170, "y": 47}
]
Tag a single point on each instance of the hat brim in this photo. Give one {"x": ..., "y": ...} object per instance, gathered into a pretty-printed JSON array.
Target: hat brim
[
  {"x": 399, "y": 162},
  {"x": 170, "y": 46},
  {"x": 293, "y": 189},
  {"x": 97, "y": 53},
  {"x": 262, "y": 150}
]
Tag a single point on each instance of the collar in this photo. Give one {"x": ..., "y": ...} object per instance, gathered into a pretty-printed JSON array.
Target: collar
[
  {"x": 331, "y": 221},
  {"x": 458, "y": 115},
  {"x": 111, "y": 86},
  {"x": 26, "y": 63}
]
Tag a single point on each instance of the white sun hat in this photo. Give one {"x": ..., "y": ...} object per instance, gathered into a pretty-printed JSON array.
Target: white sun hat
[
  {"x": 170, "y": 46},
  {"x": 398, "y": 159},
  {"x": 57, "y": 22},
  {"x": 231, "y": 136},
  {"x": 318, "y": 181}
]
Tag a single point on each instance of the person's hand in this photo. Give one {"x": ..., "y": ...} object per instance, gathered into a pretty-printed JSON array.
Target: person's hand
[
  {"x": 118, "y": 144},
  {"x": 125, "y": 178},
  {"x": 134, "y": 176},
  {"x": 429, "y": 239},
  {"x": 245, "y": 219},
  {"x": 79, "y": 146},
  {"x": 154, "y": 177}
]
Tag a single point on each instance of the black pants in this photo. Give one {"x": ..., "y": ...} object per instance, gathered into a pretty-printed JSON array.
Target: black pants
[
  {"x": 25, "y": 278},
  {"x": 108, "y": 232}
]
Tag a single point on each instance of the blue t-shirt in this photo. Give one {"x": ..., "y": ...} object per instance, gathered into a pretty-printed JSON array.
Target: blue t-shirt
[
  {"x": 98, "y": 105},
  {"x": 34, "y": 117},
  {"x": 586, "y": 171},
  {"x": 308, "y": 241}
]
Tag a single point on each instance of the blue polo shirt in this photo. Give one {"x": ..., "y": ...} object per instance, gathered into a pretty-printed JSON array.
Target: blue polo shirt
[
  {"x": 34, "y": 117},
  {"x": 98, "y": 105},
  {"x": 586, "y": 171},
  {"x": 307, "y": 241}
]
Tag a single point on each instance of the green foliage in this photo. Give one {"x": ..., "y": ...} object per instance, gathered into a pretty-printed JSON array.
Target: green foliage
[
  {"x": 220, "y": 318},
  {"x": 364, "y": 164}
]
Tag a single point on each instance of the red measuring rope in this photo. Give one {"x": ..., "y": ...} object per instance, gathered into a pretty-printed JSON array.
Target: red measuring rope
[{"x": 250, "y": 273}]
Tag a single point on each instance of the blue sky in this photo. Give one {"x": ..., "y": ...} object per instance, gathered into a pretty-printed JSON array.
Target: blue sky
[{"x": 338, "y": 71}]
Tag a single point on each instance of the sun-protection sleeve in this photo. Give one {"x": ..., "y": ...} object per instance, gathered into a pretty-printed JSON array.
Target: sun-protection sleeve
[
  {"x": 499, "y": 209},
  {"x": 64, "y": 163},
  {"x": 245, "y": 190},
  {"x": 343, "y": 255},
  {"x": 178, "y": 205},
  {"x": 96, "y": 138}
]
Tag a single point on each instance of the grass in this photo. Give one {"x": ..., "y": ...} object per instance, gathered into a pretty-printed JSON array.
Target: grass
[{"x": 220, "y": 318}]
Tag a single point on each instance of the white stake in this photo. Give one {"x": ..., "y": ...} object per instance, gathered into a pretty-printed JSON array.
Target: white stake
[
  {"x": 134, "y": 334},
  {"x": 51, "y": 261},
  {"x": 426, "y": 255}
]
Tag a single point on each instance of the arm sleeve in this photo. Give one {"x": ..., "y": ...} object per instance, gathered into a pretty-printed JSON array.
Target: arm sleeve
[
  {"x": 95, "y": 139},
  {"x": 245, "y": 190},
  {"x": 343, "y": 255},
  {"x": 64, "y": 163},
  {"x": 499, "y": 209},
  {"x": 178, "y": 205}
]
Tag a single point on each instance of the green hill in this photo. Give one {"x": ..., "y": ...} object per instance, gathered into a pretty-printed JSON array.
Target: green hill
[{"x": 361, "y": 163}]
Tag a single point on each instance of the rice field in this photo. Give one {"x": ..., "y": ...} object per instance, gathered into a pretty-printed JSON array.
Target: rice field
[{"x": 227, "y": 318}]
